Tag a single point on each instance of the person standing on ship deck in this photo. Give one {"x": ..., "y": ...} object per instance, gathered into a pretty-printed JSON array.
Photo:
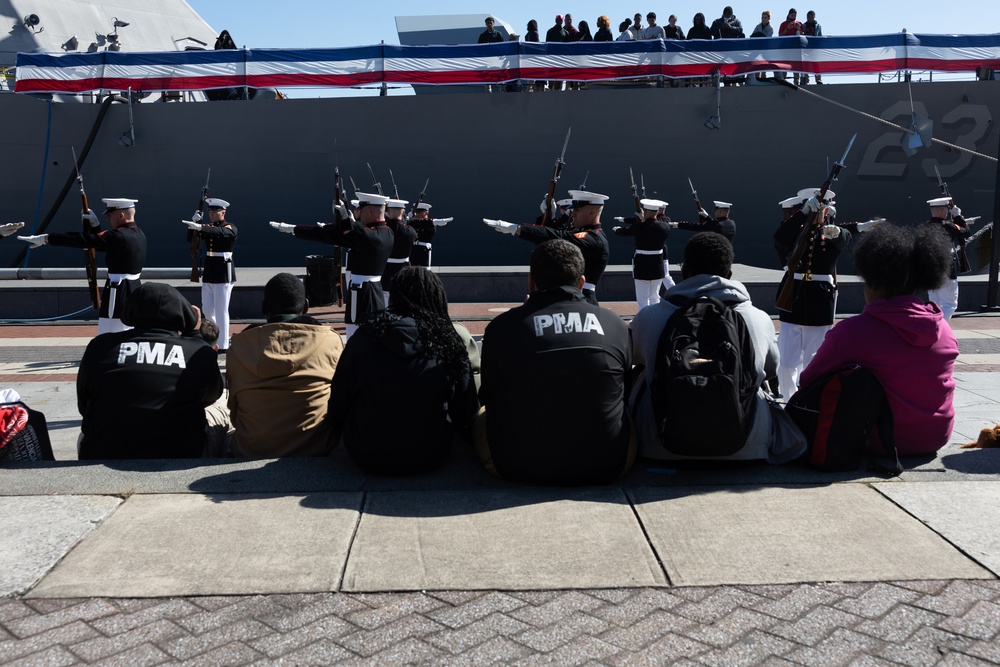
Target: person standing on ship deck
[
  {"x": 584, "y": 232},
  {"x": 490, "y": 36},
  {"x": 370, "y": 241},
  {"x": 220, "y": 273},
  {"x": 124, "y": 247}
]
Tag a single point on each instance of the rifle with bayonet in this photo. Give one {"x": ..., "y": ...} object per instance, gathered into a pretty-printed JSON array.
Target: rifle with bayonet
[
  {"x": 963, "y": 258},
  {"x": 420, "y": 199},
  {"x": 89, "y": 254},
  {"x": 395, "y": 190},
  {"x": 635, "y": 196},
  {"x": 375, "y": 182},
  {"x": 195, "y": 236},
  {"x": 786, "y": 297},
  {"x": 338, "y": 253},
  {"x": 697, "y": 202},
  {"x": 550, "y": 195}
]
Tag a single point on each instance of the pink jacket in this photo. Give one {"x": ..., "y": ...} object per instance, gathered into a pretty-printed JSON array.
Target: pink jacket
[{"x": 910, "y": 348}]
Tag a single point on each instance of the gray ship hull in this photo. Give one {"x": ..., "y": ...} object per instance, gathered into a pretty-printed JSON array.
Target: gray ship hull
[{"x": 491, "y": 155}]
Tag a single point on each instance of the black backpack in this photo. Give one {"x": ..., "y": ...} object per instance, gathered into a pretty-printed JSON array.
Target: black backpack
[{"x": 705, "y": 379}]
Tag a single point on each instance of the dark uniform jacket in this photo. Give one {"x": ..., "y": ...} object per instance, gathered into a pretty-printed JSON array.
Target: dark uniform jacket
[
  {"x": 219, "y": 239},
  {"x": 403, "y": 237},
  {"x": 815, "y": 300},
  {"x": 125, "y": 253},
  {"x": 397, "y": 410},
  {"x": 957, "y": 229},
  {"x": 725, "y": 226},
  {"x": 590, "y": 240},
  {"x": 554, "y": 382},
  {"x": 370, "y": 248},
  {"x": 420, "y": 255},
  {"x": 649, "y": 236},
  {"x": 142, "y": 392}
]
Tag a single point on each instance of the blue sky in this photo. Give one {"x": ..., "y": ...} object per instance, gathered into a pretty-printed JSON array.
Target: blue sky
[{"x": 312, "y": 23}]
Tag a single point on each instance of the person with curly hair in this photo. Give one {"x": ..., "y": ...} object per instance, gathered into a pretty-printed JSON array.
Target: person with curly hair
[
  {"x": 404, "y": 388},
  {"x": 903, "y": 341}
]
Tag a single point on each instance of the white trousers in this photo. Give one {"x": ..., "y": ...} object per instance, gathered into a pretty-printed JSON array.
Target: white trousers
[
  {"x": 110, "y": 325},
  {"x": 946, "y": 297},
  {"x": 668, "y": 282},
  {"x": 215, "y": 306},
  {"x": 797, "y": 345},
  {"x": 647, "y": 292},
  {"x": 351, "y": 328}
]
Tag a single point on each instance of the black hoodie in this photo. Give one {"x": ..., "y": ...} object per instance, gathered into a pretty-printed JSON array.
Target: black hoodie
[{"x": 142, "y": 393}]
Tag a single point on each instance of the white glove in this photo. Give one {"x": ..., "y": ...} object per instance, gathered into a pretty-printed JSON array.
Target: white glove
[
  {"x": 812, "y": 205},
  {"x": 866, "y": 226},
  {"x": 704, "y": 214},
  {"x": 673, "y": 225},
  {"x": 196, "y": 216},
  {"x": 193, "y": 225},
  {"x": 956, "y": 211},
  {"x": 283, "y": 227},
  {"x": 615, "y": 229},
  {"x": 341, "y": 213},
  {"x": 35, "y": 241},
  {"x": 91, "y": 219},
  {"x": 10, "y": 228},
  {"x": 620, "y": 219},
  {"x": 831, "y": 231},
  {"x": 441, "y": 222},
  {"x": 831, "y": 211},
  {"x": 501, "y": 226}
]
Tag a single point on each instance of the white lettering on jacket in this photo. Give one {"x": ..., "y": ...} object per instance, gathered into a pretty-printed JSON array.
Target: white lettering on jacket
[
  {"x": 152, "y": 353},
  {"x": 563, "y": 323}
]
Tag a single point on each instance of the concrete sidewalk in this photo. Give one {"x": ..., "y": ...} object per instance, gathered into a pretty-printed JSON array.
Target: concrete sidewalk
[{"x": 139, "y": 562}]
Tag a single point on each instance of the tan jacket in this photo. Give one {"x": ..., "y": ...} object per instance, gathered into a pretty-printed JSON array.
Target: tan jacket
[{"x": 279, "y": 386}]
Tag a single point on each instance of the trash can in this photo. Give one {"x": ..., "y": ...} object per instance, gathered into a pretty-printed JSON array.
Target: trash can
[{"x": 321, "y": 280}]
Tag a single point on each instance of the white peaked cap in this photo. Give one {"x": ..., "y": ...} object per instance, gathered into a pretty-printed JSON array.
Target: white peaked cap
[
  {"x": 423, "y": 206},
  {"x": 806, "y": 193},
  {"x": 585, "y": 197},
  {"x": 791, "y": 202},
  {"x": 653, "y": 204},
  {"x": 940, "y": 201},
  {"x": 564, "y": 202},
  {"x": 355, "y": 203},
  {"x": 216, "y": 203},
  {"x": 368, "y": 198},
  {"x": 115, "y": 204},
  {"x": 397, "y": 203},
  {"x": 722, "y": 204}
]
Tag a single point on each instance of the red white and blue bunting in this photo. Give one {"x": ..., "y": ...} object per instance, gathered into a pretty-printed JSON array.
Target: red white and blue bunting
[{"x": 499, "y": 63}]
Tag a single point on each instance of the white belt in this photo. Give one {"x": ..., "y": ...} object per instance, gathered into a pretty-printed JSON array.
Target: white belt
[
  {"x": 116, "y": 278},
  {"x": 590, "y": 286},
  {"x": 422, "y": 243},
  {"x": 823, "y": 277},
  {"x": 649, "y": 252},
  {"x": 357, "y": 279},
  {"x": 227, "y": 255},
  {"x": 397, "y": 260}
]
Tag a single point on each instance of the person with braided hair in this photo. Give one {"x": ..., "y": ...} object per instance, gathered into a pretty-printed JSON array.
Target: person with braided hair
[{"x": 404, "y": 386}]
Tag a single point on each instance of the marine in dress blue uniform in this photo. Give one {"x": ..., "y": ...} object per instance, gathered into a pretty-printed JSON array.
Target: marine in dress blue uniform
[
  {"x": 720, "y": 224},
  {"x": 649, "y": 265},
  {"x": 124, "y": 248},
  {"x": 948, "y": 218},
  {"x": 403, "y": 238},
  {"x": 426, "y": 227},
  {"x": 220, "y": 272}
]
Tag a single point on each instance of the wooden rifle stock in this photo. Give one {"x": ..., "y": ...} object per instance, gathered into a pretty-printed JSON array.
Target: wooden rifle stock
[
  {"x": 551, "y": 194},
  {"x": 89, "y": 254}
]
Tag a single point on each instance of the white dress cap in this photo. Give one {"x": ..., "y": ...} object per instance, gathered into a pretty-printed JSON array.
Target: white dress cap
[
  {"x": 791, "y": 202},
  {"x": 722, "y": 204},
  {"x": 397, "y": 203},
  {"x": 806, "y": 193},
  {"x": 368, "y": 198},
  {"x": 940, "y": 201},
  {"x": 423, "y": 206},
  {"x": 115, "y": 204},
  {"x": 564, "y": 202},
  {"x": 584, "y": 197},
  {"x": 216, "y": 203},
  {"x": 653, "y": 204}
]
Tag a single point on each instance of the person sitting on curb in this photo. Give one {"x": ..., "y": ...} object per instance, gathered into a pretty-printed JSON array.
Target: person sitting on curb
[
  {"x": 279, "y": 376},
  {"x": 554, "y": 382},
  {"x": 143, "y": 392}
]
